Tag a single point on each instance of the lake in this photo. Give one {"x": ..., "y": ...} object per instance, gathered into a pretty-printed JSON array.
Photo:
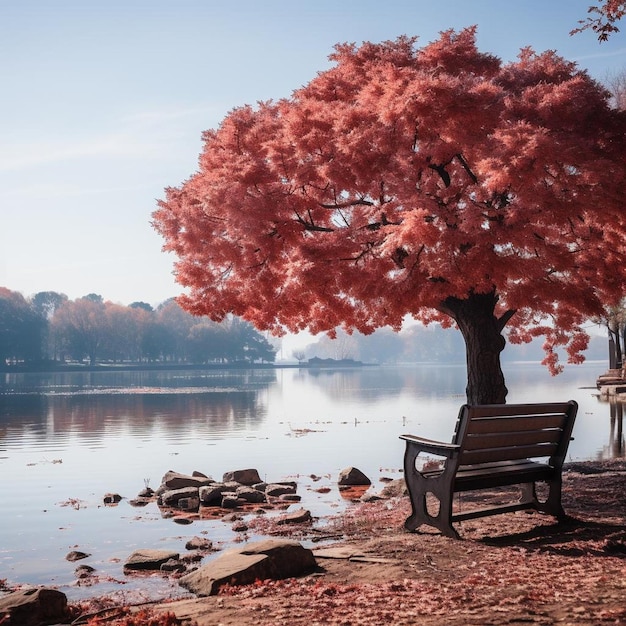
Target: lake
[{"x": 66, "y": 439}]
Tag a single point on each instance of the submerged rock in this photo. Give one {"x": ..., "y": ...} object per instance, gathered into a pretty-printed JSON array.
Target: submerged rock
[{"x": 149, "y": 559}]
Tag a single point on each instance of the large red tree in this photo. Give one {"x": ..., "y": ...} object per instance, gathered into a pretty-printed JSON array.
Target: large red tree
[{"x": 434, "y": 182}]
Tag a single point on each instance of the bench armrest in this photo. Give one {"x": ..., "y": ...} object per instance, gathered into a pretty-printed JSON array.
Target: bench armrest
[{"x": 433, "y": 447}]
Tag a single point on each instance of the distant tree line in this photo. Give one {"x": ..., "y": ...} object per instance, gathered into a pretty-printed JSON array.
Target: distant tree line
[
  {"x": 425, "y": 344},
  {"x": 50, "y": 327}
]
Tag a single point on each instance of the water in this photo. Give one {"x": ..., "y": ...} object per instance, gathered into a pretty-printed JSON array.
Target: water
[{"x": 67, "y": 439}]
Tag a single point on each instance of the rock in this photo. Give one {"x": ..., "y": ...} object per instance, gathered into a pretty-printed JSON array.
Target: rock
[
  {"x": 197, "y": 474},
  {"x": 172, "y": 496},
  {"x": 278, "y": 489},
  {"x": 211, "y": 494},
  {"x": 83, "y": 571},
  {"x": 239, "y": 527},
  {"x": 139, "y": 501},
  {"x": 394, "y": 489},
  {"x": 271, "y": 559},
  {"x": 243, "y": 477},
  {"x": 76, "y": 555},
  {"x": 175, "y": 480},
  {"x": 300, "y": 516},
  {"x": 189, "y": 504},
  {"x": 31, "y": 607},
  {"x": 173, "y": 565},
  {"x": 147, "y": 492},
  {"x": 111, "y": 498},
  {"x": 199, "y": 543},
  {"x": 249, "y": 494},
  {"x": 149, "y": 559},
  {"x": 231, "y": 501},
  {"x": 370, "y": 497},
  {"x": 353, "y": 476},
  {"x": 183, "y": 521},
  {"x": 290, "y": 497}
]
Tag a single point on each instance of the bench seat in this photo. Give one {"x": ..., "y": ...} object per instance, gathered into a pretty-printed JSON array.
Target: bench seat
[{"x": 493, "y": 446}]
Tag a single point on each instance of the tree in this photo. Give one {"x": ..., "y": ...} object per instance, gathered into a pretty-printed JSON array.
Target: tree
[
  {"x": 435, "y": 182},
  {"x": 82, "y": 326},
  {"x": 603, "y": 18},
  {"x": 21, "y": 329},
  {"x": 44, "y": 304}
]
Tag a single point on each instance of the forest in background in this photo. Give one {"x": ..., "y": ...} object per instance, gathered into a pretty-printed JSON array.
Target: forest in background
[{"x": 48, "y": 328}]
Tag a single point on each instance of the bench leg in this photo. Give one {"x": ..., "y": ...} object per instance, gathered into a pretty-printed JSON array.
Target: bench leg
[
  {"x": 551, "y": 505},
  {"x": 419, "y": 486}
]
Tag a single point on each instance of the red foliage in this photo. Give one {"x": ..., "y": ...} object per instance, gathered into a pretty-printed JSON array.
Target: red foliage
[
  {"x": 404, "y": 181},
  {"x": 143, "y": 617},
  {"x": 603, "y": 18}
]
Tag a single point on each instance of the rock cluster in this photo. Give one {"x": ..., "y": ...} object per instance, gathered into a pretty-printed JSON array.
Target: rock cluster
[
  {"x": 189, "y": 493},
  {"x": 237, "y": 488}
]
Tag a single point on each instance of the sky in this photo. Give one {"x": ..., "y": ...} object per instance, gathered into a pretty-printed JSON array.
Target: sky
[{"x": 104, "y": 102}]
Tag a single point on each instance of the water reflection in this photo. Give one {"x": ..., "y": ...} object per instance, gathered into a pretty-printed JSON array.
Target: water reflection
[
  {"x": 616, "y": 446},
  {"x": 135, "y": 403},
  {"x": 364, "y": 384},
  {"x": 183, "y": 406}
]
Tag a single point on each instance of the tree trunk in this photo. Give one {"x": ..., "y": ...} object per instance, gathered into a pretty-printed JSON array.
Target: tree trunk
[{"x": 482, "y": 332}]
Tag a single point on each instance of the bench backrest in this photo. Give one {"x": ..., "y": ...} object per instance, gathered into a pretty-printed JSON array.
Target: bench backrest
[{"x": 501, "y": 432}]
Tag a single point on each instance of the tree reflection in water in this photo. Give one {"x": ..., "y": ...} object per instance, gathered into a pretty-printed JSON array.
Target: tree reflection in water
[{"x": 616, "y": 429}]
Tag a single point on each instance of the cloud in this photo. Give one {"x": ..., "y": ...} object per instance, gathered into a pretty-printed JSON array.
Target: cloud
[
  {"x": 601, "y": 55},
  {"x": 150, "y": 135}
]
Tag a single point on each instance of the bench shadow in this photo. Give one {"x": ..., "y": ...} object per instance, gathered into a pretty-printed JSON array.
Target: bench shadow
[{"x": 571, "y": 537}]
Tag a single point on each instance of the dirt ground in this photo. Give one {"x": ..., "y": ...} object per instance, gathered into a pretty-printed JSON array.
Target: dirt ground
[{"x": 516, "y": 568}]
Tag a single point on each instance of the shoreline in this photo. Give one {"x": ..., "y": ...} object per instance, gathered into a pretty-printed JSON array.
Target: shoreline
[{"x": 505, "y": 566}]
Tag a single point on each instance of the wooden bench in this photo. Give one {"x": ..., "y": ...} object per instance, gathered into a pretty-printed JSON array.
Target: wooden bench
[{"x": 494, "y": 445}]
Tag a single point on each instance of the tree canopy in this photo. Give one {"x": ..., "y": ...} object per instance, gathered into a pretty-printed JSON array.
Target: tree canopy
[{"x": 434, "y": 181}]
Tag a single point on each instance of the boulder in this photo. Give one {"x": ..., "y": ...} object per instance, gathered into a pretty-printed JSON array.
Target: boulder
[
  {"x": 189, "y": 504},
  {"x": 262, "y": 560},
  {"x": 175, "y": 480},
  {"x": 231, "y": 501},
  {"x": 149, "y": 559},
  {"x": 112, "y": 498},
  {"x": 197, "y": 474},
  {"x": 243, "y": 477},
  {"x": 278, "y": 489},
  {"x": 171, "y": 497},
  {"x": 301, "y": 516},
  {"x": 84, "y": 571},
  {"x": 31, "y": 607},
  {"x": 212, "y": 494},
  {"x": 173, "y": 565},
  {"x": 249, "y": 494},
  {"x": 199, "y": 543},
  {"x": 76, "y": 555},
  {"x": 290, "y": 497},
  {"x": 394, "y": 489},
  {"x": 353, "y": 476}
]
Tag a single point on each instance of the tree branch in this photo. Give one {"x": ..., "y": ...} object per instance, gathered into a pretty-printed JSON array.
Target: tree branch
[{"x": 503, "y": 320}]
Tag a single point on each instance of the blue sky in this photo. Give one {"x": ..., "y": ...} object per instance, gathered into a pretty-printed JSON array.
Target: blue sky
[{"x": 103, "y": 103}]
